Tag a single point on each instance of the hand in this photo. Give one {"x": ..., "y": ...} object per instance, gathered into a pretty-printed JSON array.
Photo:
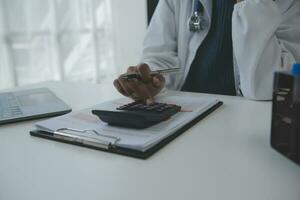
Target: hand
[{"x": 141, "y": 90}]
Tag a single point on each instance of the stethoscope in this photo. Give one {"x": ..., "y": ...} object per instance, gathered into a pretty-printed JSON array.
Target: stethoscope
[{"x": 197, "y": 22}]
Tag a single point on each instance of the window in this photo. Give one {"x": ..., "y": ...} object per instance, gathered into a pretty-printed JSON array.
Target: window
[{"x": 55, "y": 40}]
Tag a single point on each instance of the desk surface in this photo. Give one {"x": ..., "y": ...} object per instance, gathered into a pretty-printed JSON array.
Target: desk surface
[{"x": 225, "y": 156}]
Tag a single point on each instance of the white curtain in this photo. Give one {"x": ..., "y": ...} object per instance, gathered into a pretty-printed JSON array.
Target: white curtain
[{"x": 55, "y": 40}]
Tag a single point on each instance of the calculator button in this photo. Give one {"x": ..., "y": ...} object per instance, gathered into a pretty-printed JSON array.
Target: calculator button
[
  {"x": 158, "y": 110},
  {"x": 156, "y": 106},
  {"x": 121, "y": 108},
  {"x": 150, "y": 108},
  {"x": 126, "y": 106},
  {"x": 130, "y": 108}
]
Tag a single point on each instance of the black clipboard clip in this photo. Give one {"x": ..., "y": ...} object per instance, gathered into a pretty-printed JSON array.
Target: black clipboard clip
[{"x": 76, "y": 136}]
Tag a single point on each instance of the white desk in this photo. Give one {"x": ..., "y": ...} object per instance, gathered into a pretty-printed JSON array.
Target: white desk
[{"x": 227, "y": 156}]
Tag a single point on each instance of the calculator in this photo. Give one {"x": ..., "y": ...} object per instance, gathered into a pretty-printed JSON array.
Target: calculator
[{"x": 138, "y": 115}]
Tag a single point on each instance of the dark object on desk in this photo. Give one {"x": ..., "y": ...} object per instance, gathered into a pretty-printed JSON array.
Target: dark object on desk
[
  {"x": 285, "y": 136},
  {"x": 30, "y": 104},
  {"x": 138, "y": 115}
]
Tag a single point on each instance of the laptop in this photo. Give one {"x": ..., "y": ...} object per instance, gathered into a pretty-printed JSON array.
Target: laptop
[{"x": 30, "y": 104}]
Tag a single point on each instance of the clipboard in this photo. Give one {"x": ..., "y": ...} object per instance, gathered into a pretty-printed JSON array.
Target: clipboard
[{"x": 107, "y": 146}]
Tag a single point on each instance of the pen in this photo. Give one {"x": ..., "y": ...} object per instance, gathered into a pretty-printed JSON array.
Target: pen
[{"x": 129, "y": 76}]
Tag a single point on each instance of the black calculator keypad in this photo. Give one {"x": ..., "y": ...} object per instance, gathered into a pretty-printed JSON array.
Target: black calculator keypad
[
  {"x": 155, "y": 107},
  {"x": 138, "y": 115}
]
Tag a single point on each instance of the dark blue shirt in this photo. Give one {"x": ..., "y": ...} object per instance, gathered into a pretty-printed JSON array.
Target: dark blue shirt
[{"x": 212, "y": 69}]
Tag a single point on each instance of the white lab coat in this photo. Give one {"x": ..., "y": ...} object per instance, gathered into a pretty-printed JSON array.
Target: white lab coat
[{"x": 266, "y": 38}]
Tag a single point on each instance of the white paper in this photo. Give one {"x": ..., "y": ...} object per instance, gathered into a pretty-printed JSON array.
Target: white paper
[{"x": 132, "y": 138}]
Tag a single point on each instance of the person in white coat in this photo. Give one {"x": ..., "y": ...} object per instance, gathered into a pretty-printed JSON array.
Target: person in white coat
[{"x": 263, "y": 37}]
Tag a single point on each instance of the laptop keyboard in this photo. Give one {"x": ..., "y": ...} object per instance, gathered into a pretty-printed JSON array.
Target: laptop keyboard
[{"x": 9, "y": 106}]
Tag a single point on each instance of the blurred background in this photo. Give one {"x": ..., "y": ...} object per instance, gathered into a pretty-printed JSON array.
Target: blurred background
[{"x": 70, "y": 40}]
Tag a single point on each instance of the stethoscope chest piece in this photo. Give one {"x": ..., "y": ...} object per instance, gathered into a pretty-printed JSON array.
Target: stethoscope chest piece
[{"x": 197, "y": 22}]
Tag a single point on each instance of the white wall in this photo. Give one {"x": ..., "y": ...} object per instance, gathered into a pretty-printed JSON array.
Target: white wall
[{"x": 130, "y": 24}]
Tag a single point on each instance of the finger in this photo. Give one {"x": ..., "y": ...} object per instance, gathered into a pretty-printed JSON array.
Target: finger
[
  {"x": 145, "y": 90},
  {"x": 156, "y": 85},
  {"x": 132, "y": 69},
  {"x": 119, "y": 88},
  {"x": 150, "y": 101},
  {"x": 125, "y": 86},
  {"x": 132, "y": 87},
  {"x": 141, "y": 89},
  {"x": 158, "y": 81},
  {"x": 145, "y": 73}
]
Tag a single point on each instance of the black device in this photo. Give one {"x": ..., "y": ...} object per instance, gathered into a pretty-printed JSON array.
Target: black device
[
  {"x": 285, "y": 134},
  {"x": 138, "y": 115}
]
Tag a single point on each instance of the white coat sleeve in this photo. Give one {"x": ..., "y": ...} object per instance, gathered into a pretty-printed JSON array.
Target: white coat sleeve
[
  {"x": 259, "y": 49},
  {"x": 160, "y": 44}
]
